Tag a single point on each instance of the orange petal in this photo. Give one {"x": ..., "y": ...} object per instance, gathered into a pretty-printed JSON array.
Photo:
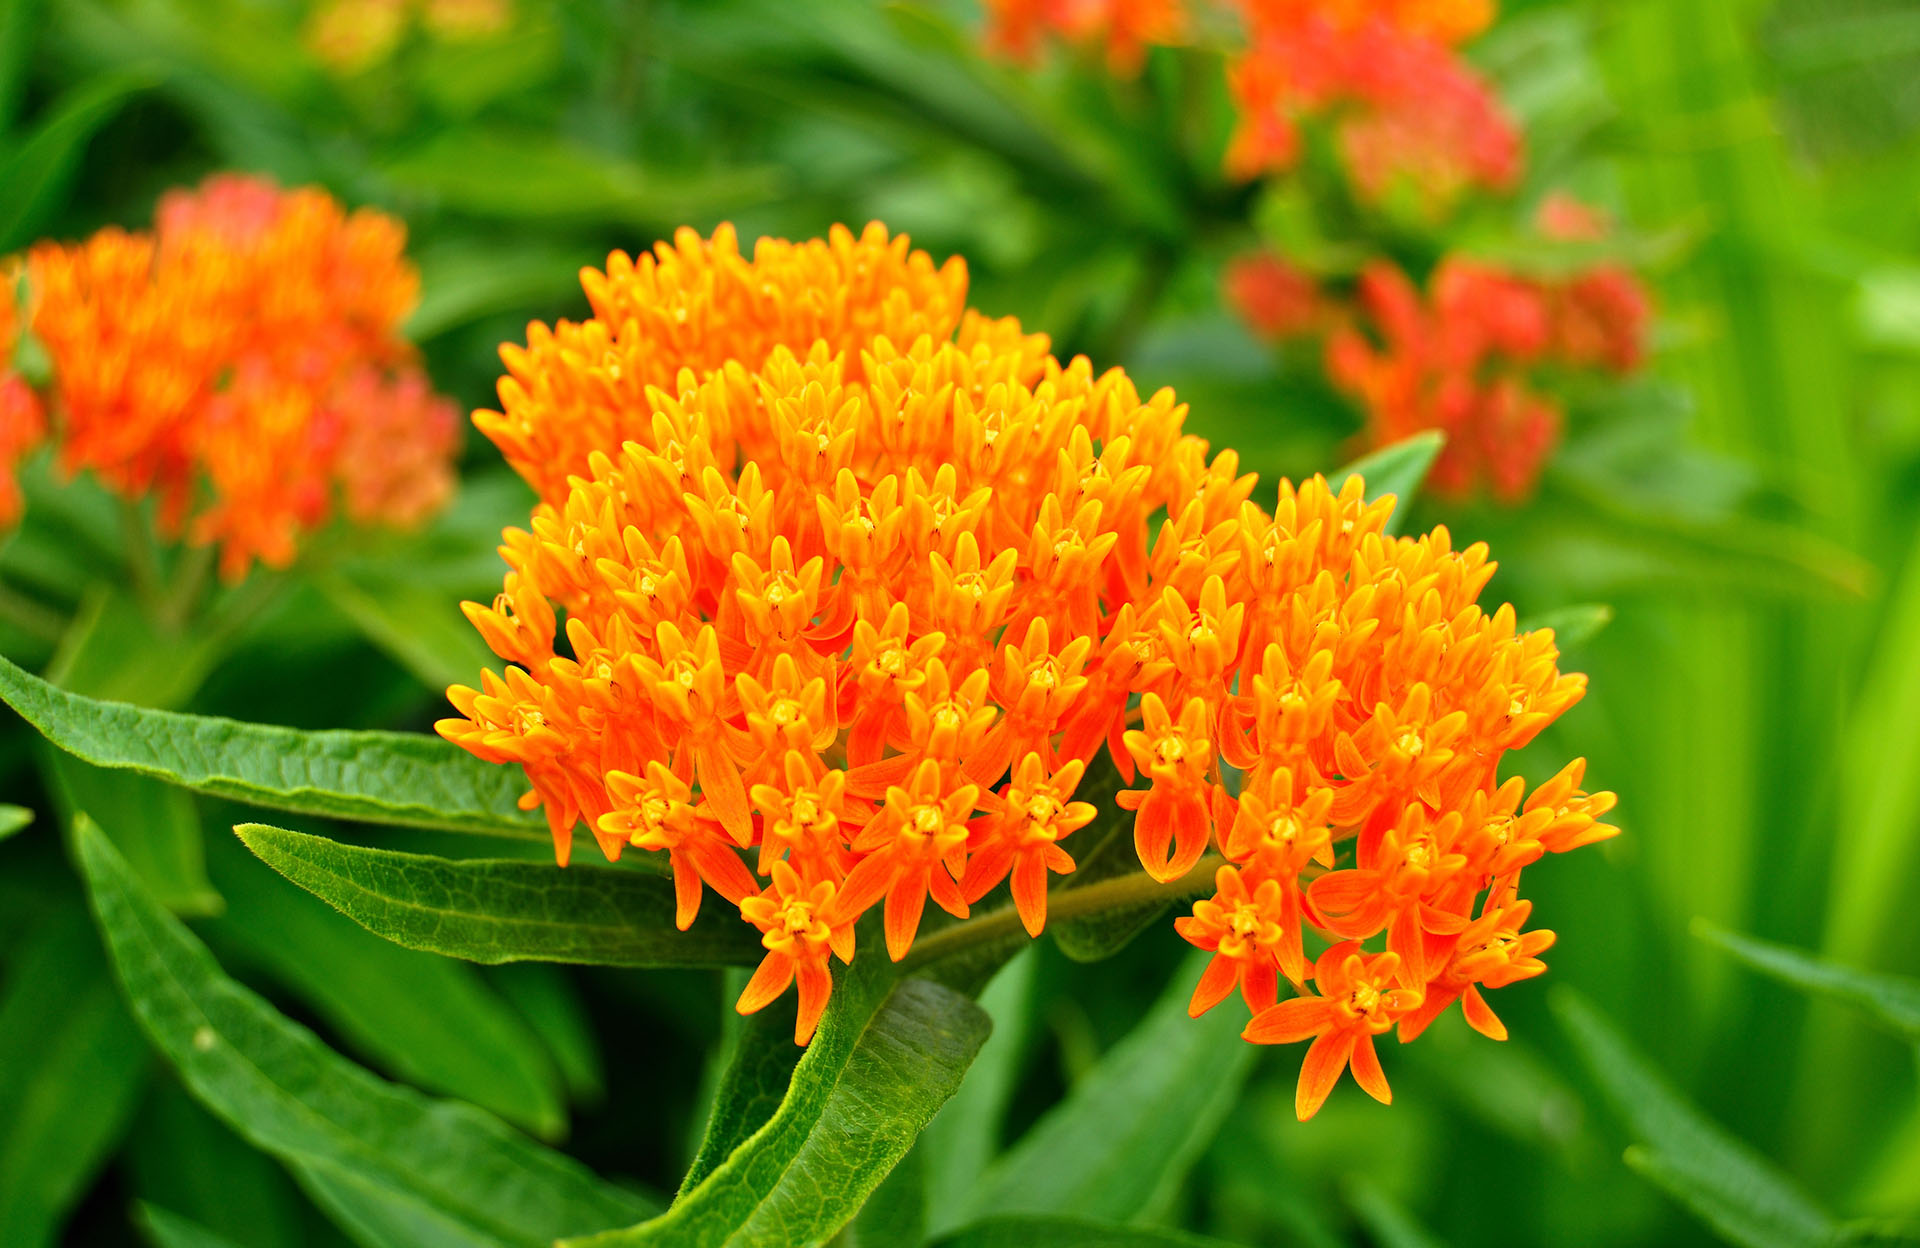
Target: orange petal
[
  {"x": 1367, "y": 1072},
  {"x": 816, "y": 985},
  {"x": 1290, "y": 1021},
  {"x": 775, "y": 973},
  {"x": 1480, "y": 1016},
  {"x": 905, "y": 901},
  {"x": 1030, "y": 892},
  {"x": 1215, "y": 983},
  {"x": 1325, "y": 1060}
]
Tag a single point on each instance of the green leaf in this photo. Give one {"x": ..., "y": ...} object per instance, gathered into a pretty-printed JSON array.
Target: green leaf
[
  {"x": 886, "y": 1056},
  {"x": 279, "y": 1087},
  {"x": 36, "y": 173},
  {"x": 157, "y": 828},
  {"x": 895, "y": 1216},
  {"x": 548, "y": 1000},
  {"x": 1741, "y": 1195},
  {"x": 963, "y": 1139},
  {"x": 409, "y": 779},
  {"x": 170, "y": 1230},
  {"x": 1398, "y": 469},
  {"x": 19, "y": 21},
  {"x": 1893, "y": 1000},
  {"x": 460, "y": 284},
  {"x": 427, "y": 1020},
  {"x": 1030, "y": 1232},
  {"x": 421, "y": 628},
  {"x": 182, "y": 1158},
  {"x": 756, "y": 1069},
  {"x": 13, "y": 819},
  {"x": 72, "y": 1066},
  {"x": 1573, "y": 626},
  {"x": 1386, "y": 1220},
  {"x": 503, "y": 910},
  {"x": 1120, "y": 1145}
]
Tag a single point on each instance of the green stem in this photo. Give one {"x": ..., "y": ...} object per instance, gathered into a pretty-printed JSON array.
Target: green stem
[
  {"x": 191, "y": 571},
  {"x": 142, "y": 560},
  {"x": 1070, "y": 903}
]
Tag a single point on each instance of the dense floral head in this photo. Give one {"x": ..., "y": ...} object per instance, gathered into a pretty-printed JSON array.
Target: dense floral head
[
  {"x": 848, "y": 622},
  {"x": 243, "y": 363},
  {"x": 1124, "y": 28}
]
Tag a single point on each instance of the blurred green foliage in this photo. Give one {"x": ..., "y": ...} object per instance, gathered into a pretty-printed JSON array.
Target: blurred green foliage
[{"x": 1746, "y": 514}]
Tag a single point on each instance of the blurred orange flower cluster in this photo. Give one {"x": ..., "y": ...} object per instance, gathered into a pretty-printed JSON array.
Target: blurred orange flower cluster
[
  {"x": 1405, "y": 110},
  {"x": 242, "y": 363},
  {"x": 1460, "y": 356},
  {"x": 860, "y": 583}
]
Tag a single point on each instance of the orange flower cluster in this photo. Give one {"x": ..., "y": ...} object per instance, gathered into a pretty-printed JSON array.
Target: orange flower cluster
[
  {"x": 1405, "y": 109},
  {"x": 1460, "y": 359},
  {"x": 350, "y": 36},
  {"x": 242, "y": 362},
  {"x": 23, "y": 420},
  {"x": 859, "y": 589}
]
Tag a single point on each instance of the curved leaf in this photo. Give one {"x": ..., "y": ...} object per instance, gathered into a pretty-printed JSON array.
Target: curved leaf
[
  {"x": 165, "y": 1229},
  {"x": 402, "y": 778},
  {"x": 12, "y": 819},
  {"x": 1399, "y": 469},
  {"x": 279, "y": 1087},
  {"x": 1892, "y": 999},
  {"x": 1120, "y": 1145},
  {"x": 36, "y": 173},
  {"x": 886, "y": 1057},
  {"x": 503, "y": 910},
  {"x": 1740, "y": 1194}
]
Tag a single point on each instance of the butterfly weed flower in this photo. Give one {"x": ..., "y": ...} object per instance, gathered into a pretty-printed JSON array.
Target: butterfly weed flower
[
  {"x": 23, "y": 422},
  {"x": 840, "y": 622},
  {"x": 242, "y": 364}
]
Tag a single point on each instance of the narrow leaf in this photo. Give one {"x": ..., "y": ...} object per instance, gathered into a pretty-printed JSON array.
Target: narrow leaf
[
  {"x": 963, "y": 1139},
  {"x": 1574, "y": 626},
  {"x": 503, "y": 910},
  {"x": 548, "y": 999},
  {"x": 13, "y": 819},
  {"x": 382, "y": 777},
  {"x": 428, "y": 1020},
  {"x": 756, "y": 1071},
  {"x": 157, "y": 828},
  {"x": 72, "y": 1066},
  {"x": 1029, "y": 1232},
  {"x": 1385, "y": 1218},
  {"x": 1741, "y": 1195},
  {"x": 885, "y": 1058},
  {"x": 279, "y": 1087},
  {"x": 1399, "y": 469},
  {"x": 412, "y": 623},
  {"x": 1120, "y": 1145},
  {"x": 1893, "y": 1000},
  {"x": 170, "y": 1230},
  {"x": 37, "y": 172}
]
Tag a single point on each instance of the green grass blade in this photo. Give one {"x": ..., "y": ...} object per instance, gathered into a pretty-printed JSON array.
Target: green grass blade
[
  {"x": 288, "y": 1094},
  {"x": 887, "y": 1055},
  {"x": 1893, "y": 1000},
  {"x": 1120, "y": 1145},
  {"x": 1741, "y": 1195},
  {"x": 409, "y": 779},
  {"x": 504, "y": 910}
]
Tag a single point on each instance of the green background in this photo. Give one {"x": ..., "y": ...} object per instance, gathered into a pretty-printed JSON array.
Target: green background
[{"x": 1746, "y": 508}]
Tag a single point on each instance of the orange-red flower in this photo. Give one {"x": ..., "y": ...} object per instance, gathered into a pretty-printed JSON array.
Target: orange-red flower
[
  {"x": 863, "y": 612},
  {"x": 242, "y": 362},
  {"x": 1358, "y": 999}
]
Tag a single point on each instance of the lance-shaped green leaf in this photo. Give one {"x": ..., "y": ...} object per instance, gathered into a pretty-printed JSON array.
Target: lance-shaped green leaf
[
  {"x": 961, "y": 1142},
  {"x": 505, "y": 910},
  {"x": 477, "y": 1180},
  {"x": 886, "y": 1056},
  {"x": 165, "y": 1229},
  {"x": 1573, "y": 626},
  {"x": 12, "y": 819},
  {"x": 1120, "y": 1145},
  {"x": 38, "y": 171},
  {"x": 72, "y": 1066},
  {"x": 1893, "y": 1000},
  {"x": 1399, "y": 469},
  {"x": 756, "y": 1070},
  {"x": 1744, "y": 1197},
  {"x": 381, "y": 777},
  {"x": 1028, "y": 1232}
]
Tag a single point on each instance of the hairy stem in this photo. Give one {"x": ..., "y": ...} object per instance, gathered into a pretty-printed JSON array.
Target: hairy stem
[{"x": 1072, "y": 903}]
